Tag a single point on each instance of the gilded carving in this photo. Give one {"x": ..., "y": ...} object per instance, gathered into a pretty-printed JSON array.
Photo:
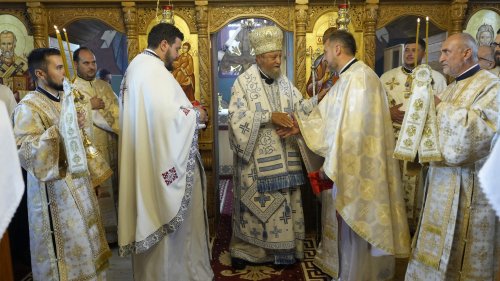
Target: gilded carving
[
  {"x": 37, "y": 16},
  {"x": 221, "y": 15},
  {"x": 356, "y": 12},
  {"x": 19, "y": 14},
  {"x": 389, "y": 13},
  {"x": 474, "y": 7},
  {"x": 458, "y": 10},
  {"x": 146, "y": 15},
  {"x": 130, "y": 19},
  {"x": 300, "y": 47},
  {"x": 63, "y": 16},
  {"x": 371, "y": 11}
]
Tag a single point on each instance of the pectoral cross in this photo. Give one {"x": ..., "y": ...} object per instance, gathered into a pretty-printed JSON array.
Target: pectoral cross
[{"x": 392, "y": 83}]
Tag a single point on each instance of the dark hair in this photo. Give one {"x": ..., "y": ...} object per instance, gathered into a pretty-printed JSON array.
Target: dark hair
[
  {"x": 76, "y": 54},
  {"x": 327, "y": 33},
  {"x": 37, "y": 59},
  {"x": 163, "y": 31},
  {"x": 345, "y": 38},
  {"x": 498, "y": 31},
  {"x": 102, "y": 73},
  {"x": 413, "y": 40}
]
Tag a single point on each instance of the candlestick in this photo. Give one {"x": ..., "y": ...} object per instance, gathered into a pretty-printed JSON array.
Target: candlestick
[
  {"x": 63, "y": 53},
  {"x": 416, "y": 47},
  {"x": 426, "y": 40},
  {"x": 69, "y": 51}
]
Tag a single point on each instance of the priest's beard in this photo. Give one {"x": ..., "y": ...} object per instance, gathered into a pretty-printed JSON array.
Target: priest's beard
[
  {"x": 273, "y": 73},
  {"x": 169, "y": 61},
  {"x": 51, "y": 83},
  {"x": 497, "y": 58}
]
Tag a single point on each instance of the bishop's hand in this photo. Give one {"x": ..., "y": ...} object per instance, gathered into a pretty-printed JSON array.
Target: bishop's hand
[
  {"x": 281, "y": 119},
  {"x": 288, "y": 132}
]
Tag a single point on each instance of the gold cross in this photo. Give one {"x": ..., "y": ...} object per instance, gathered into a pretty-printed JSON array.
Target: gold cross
[{"x": 392, "y": 83}]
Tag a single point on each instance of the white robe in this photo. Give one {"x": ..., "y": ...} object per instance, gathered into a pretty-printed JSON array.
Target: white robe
[
  {"x": 11, "y": 179},
  {"x": 158, "y": 179}
]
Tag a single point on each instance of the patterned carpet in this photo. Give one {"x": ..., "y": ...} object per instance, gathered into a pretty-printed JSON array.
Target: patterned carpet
[{"x": 221, "y": 260}]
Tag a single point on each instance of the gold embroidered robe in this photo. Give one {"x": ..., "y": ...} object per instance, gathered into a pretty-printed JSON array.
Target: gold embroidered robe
[
  {"x": 397, "y": 83},
  {"x": 105, "y": 138},
  {"x": 457, "y": 234},
  {"x": 67, "y": 239},
  {"x": 351, "y": 128}
]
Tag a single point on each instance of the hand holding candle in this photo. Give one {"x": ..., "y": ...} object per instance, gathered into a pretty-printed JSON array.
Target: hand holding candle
[
  {"x": 416, "y": 45},
  {"x": 63, "y": 53},
  {"x": 426, "y": 40}
]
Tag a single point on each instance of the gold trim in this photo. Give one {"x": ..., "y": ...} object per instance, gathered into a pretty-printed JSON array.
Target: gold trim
[{"x": 220, "y": 16}]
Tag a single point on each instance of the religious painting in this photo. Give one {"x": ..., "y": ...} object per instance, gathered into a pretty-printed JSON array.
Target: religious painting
[
  {"x": 183, "y": 71},
  {"x": 483, "y": 26},
  {"x": 15, "y": 45}
]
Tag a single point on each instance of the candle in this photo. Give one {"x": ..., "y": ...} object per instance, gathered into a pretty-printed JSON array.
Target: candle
[
  {"x": 426, "y": 40},
  {"x": 61, "y": 49},
  {"x": 416, "y": 47},
  {"x": 69, "y": 50}
]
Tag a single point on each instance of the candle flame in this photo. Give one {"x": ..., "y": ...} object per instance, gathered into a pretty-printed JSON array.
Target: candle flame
[
  {"x": 427, "y": 18},
  {"x": 418, "y": 19}
]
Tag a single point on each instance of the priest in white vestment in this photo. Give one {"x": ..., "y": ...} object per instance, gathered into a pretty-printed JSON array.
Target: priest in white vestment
[
  {"x": 67, "y": 239},
  {"x": 397, "y": 83},
  {"x": 162, "y": 218},
  {"x": 268, "y": 221},
  {"x": 457, "y": 236},
  {"x": 103, "y": 121},
  {"x": 352, "y": 129}
]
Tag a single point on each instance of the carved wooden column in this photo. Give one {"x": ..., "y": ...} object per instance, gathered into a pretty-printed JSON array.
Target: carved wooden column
[
  {"x": 301, "y": 8},
  {"x": 370, "y": 22},
  {"x": 206, "y": 142},
  {"x": 38, "y": 19},
  {"x": 458, "y": 10},
  {"x": 130, "y": 20}
]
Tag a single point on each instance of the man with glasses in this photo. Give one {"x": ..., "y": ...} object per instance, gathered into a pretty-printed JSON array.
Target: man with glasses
[
  {"x": 485, "y": 55},
  {"x": 496, "y": 45}
]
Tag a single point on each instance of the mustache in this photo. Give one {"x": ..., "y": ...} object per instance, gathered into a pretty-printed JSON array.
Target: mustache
[{"x": 7, "y": 54}]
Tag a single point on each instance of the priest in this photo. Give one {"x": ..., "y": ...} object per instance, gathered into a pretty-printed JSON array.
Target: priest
[
  {"x": 162, "y": 218},
  {"x": 67, "y": 240},
  {"x": 352, "y": 129},
  {"x": 103, "y": 122},
  {"x": 397, "y": 83},
  {"x": 457, "y": 234}
]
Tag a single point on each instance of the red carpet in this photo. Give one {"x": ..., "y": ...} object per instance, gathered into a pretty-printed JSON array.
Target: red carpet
[{"x": 221, "y": 259}]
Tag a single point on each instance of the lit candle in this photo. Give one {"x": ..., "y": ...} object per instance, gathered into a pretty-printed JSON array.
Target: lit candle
[
  {"x": 416, "y": 47},
  {"x": 69, "y": 50},
  {"x": 426, "y": 40},
  {"x": 63, "y": 54}
]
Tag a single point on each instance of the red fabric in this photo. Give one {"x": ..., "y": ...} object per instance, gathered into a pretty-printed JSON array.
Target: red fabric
[{"x": 318, "y": 184}]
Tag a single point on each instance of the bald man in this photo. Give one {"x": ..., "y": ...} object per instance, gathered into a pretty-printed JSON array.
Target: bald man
[{"x": 457, "y": 235}]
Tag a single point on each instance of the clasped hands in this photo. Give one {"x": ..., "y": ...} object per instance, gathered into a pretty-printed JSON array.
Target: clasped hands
[{"x": 286, "y": 125}]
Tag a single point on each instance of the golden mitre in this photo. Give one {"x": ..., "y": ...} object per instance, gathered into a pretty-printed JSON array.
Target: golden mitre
[{"x": 266, "y": 39}]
